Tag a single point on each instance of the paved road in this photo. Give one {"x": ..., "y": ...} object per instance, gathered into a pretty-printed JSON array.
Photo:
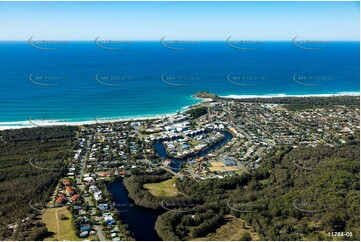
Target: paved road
[
  {"x": 99, "y": 233},
  {"x": 137, "y": 132},
  {"x": 191, "y": 172},
  {"x": 174, "y": 173},
  {"x": 83, "y": 160},
  {"x": 242, "y": 167},
  {"x": 81, "y": 187}
]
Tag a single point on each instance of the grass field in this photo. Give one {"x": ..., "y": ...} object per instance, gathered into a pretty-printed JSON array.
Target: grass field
[
  {"x": 216, "y": 163},
  {"x": 234, "y": 230},
  {"x": 219, "y": 166},
  {"x": 231, "y": 168},
  {"x": 162, "y": 189},
  {"x": 62, "y": 229}
]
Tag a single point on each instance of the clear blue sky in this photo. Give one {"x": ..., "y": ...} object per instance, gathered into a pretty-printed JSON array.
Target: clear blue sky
[{"x": 179, "y": 20}]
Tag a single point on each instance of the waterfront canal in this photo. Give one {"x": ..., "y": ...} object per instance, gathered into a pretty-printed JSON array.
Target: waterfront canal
[
  {"x": 159, "y": 147},
  {"x": 141, "y": 221}
]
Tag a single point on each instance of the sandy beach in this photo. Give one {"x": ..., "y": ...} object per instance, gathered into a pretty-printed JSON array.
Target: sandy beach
[{"x": 49, "y": 123}]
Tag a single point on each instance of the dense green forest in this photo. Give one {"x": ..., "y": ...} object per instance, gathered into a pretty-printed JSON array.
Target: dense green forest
[
  {"x": 197, "y": 112},
  {"x": 31, "y": 163},
  {"x": 297, "y": 194}
]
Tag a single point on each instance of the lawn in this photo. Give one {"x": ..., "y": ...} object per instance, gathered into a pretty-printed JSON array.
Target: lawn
[
  {"x": 234, "y": 229},
  {"x": 219, "y": 166},
  {"x": 62, "y": 229},
  {"x": 162, "y": 189}
]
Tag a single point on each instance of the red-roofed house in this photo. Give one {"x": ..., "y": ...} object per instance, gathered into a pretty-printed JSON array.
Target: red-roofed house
[
  {"x": 104, "y": 174},
  {"x": 61, "y": 199},
  {"x": 75, "y": 197}
]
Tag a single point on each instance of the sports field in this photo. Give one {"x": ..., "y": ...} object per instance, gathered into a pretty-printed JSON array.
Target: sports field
[
  {"x": 61, "y": 229},
  {"x": 162, "y": 189}
]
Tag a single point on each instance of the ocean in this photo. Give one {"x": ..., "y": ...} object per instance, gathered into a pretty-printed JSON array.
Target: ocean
[{"x": 86, "y": 81}]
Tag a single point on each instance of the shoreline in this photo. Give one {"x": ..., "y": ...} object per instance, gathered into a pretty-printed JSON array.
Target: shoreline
[
  {"x": 51, "y": 123},
  {"x": 232, "y": 96}
]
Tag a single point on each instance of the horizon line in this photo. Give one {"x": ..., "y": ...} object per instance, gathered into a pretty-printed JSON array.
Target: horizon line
[{"x": 185, "y": 40}]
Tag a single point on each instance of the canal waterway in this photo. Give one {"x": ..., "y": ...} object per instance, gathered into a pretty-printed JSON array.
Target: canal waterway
[
  {"x": 141, "y": 221},
  {"x": 159, "y": 147}
]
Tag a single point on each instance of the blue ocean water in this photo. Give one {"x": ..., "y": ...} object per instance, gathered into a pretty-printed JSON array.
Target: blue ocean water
[{"x": 81, "y": 81}]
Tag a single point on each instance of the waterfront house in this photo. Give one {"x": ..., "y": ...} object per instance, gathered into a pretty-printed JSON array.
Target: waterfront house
[
  {"x": 98, "y": 195},
  {"x": 103, "y": 206},
  {"x": 108, "y": 218},
  {"x": 115, "y": 230},
  {"x": 88, "y": 179}
]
